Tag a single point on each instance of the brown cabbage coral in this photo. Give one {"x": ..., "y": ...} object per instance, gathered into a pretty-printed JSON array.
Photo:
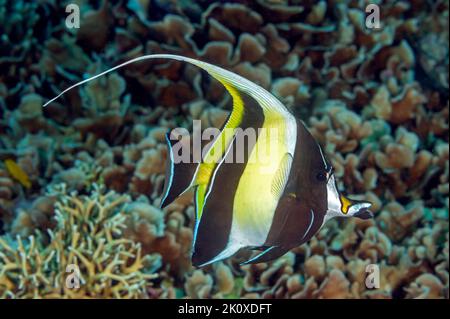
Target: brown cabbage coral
[
  {"x": 88, "y": 235},
  {"x": 144, "y": 223},
  {"x": 383, "y": 123},
  {"x": 268, "y": 278},
  {"x": 9, "y": 188},
  {"x": 341, "y": 129},
  {"x": 426, "y": 286},
  {"x": 199, "y": 285},
  {"x": 35, "y": 215},
  {"x": 105, "y": 109}
]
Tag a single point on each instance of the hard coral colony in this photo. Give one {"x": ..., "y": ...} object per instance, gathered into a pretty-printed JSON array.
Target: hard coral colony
[{"x": 375, "y": 100}]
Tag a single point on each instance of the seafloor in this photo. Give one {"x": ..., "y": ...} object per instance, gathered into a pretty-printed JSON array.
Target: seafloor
[{"x": 81, "y": 180}]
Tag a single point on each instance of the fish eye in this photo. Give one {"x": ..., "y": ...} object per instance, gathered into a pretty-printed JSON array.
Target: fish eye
[{"x": 321, "y": 176}]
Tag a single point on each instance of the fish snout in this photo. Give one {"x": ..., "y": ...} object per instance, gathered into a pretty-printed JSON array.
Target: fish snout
[{"x": 361, "y": 210}]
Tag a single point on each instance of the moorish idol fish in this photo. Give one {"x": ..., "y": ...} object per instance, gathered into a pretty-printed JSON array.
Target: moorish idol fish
[{"x": 270, "y": 203}]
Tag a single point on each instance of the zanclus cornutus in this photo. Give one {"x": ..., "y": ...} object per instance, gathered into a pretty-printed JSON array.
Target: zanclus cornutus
[{"x": 271, "y": 201}]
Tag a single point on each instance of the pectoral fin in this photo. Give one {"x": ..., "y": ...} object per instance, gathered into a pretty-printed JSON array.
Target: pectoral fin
[{"x": 282, "y": 175}]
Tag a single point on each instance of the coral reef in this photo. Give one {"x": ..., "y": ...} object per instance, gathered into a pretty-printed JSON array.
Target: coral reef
[
  {"x": 376, "y": 100},
  {"x": 87, "y": 238}
]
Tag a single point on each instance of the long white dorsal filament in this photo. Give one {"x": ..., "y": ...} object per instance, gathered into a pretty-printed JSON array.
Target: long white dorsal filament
[{"x": 142, "y": 58}]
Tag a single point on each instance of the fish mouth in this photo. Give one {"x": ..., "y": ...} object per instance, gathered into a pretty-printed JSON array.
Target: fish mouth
[{"x": 362, "y": 210}]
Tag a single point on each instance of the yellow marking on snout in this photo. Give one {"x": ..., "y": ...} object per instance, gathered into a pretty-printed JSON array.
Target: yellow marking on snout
[{"x": 346, "y": 203}]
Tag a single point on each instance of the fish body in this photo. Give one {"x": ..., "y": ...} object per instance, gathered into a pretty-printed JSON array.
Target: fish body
[
  {"x": 17, "y": 173},
  {"x": 275, "y": 198}
]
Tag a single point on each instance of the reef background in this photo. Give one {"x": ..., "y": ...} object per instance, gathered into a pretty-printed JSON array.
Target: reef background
[{"x": 81, "y": 180}]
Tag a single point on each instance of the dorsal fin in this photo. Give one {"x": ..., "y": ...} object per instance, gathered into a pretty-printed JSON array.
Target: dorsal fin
[
  {"x": 179, "y": 175},
  {"x": 268, "y": 102}
]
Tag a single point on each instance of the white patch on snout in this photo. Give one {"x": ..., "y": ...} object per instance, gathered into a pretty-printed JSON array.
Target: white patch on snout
[
  {"x": 357, "y": 207},
  {"x": 333, "y": 201}
]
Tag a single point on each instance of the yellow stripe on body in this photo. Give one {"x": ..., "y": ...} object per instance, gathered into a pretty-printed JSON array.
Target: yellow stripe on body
[
  {"x": 255, "y": 202},
  {"x": 217, "y": 150},
  {"x": 346, "y": 203}
]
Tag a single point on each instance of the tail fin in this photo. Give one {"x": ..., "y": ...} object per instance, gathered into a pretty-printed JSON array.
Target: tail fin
[{"x": 179, "y": 175}]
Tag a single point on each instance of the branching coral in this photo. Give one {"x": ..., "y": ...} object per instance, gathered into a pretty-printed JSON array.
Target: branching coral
[{"x": 87, "y": 235}]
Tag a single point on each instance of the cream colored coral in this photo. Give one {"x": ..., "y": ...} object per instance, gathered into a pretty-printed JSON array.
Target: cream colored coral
[{"x": 88, "y": 235}]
